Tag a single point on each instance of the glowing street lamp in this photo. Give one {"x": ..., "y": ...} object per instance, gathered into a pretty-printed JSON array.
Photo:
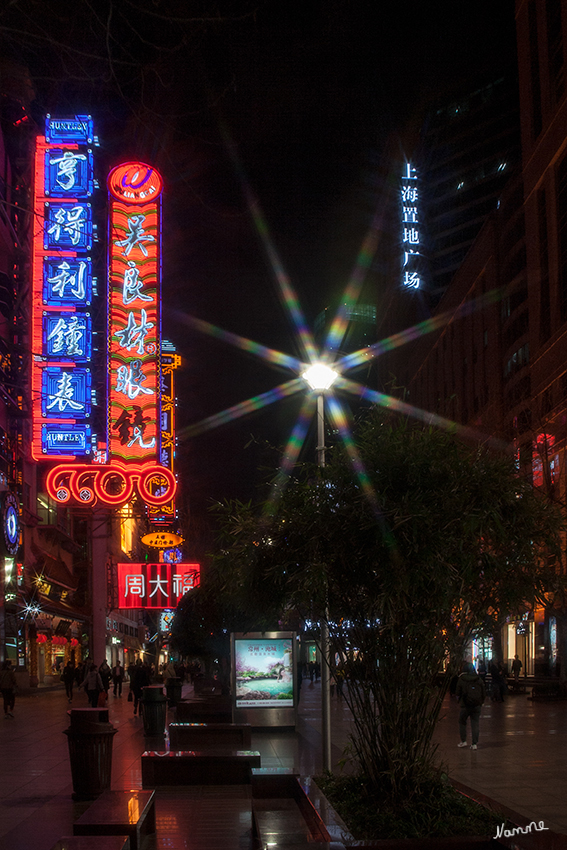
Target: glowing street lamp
[{"x": 320, "y": 378}]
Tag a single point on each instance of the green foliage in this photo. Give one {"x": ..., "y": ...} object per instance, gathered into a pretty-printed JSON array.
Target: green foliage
[
  {"x": 439, "y": 812},
  {"x": 450, "y": 542}
]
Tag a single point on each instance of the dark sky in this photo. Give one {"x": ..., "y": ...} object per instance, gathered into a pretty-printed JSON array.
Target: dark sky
[{"x": 302, "y": 101}]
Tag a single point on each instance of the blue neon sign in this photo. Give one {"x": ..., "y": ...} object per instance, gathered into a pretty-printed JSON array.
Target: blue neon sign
[
  {"x": 64, "y": 439},
  {"x": 68, "y": 226},
  {"x": 78, "y": 130},
  {"x": 66, "y": 392},
  {"x": 68, "y": 173},
  {"x": 67, "y": 336},
  {"x": 67, "y": 281}
]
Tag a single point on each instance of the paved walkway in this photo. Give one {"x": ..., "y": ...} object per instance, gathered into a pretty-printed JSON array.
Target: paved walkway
[{"x": 521, "y": 762}]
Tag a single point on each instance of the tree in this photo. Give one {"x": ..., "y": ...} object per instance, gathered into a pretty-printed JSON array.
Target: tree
[{"x": 449, "y": 541}]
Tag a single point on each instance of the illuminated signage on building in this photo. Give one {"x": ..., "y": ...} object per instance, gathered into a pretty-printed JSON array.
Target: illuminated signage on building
[
  {"x": 170, "y": 361},
  {"x": 62, "y": 290},
  {"x": 155, "y": 585},
  {"x": 545, "y": 461},
  {"x": 411, "y": 233},
  {"x": 134, "y": 313}
]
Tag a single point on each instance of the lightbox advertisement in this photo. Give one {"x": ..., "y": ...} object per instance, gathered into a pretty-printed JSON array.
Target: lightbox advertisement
[{"x": 264, "y": 672}]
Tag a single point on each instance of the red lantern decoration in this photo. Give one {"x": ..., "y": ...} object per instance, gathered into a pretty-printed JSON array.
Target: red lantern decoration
[
  {"x": 41, "y": 639},
  {"x": 74, "y": 642}
]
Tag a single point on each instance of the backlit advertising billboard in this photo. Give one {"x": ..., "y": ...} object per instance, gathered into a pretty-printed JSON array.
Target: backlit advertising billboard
[{"x": 264, "y": 681}]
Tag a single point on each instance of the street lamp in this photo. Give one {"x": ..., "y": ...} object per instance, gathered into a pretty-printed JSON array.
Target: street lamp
[{"x": 320, "y": 378}]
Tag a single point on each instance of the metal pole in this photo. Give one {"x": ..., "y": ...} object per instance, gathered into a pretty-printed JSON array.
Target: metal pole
[
  {"x": 325, "y": 648},
  {"x": 321, "y": 429}
]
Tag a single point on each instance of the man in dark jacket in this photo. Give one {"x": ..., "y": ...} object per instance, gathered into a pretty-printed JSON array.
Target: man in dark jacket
[{"x": 471, "y": 695}]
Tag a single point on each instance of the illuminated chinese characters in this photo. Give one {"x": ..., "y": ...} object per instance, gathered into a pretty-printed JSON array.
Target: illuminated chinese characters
[
  {"x": 411, "y": 237},
  {"x": 155, "y": 585},
  {"x": 62, "y": 290},
  {"x": 134, "y": 313}
]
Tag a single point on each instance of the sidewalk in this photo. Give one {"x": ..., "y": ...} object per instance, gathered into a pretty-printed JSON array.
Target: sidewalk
[{"x": 520, "y": 763}]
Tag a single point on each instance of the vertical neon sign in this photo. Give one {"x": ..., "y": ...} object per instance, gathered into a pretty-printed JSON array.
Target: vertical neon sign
[
  {"x": 170, "y": 361},
  {"x": 62, "y": 288},
  {"x": 134, "y": 338},
  {"x": 411, "y": 237}
]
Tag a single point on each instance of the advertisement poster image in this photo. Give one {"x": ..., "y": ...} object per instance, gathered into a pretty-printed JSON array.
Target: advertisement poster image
[{"x": 264, "y": 673}]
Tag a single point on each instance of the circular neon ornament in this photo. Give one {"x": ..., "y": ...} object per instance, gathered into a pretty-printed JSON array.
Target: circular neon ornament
[
  {"x": 11, "y": 523},
  {"x": 135, "y": 183}
]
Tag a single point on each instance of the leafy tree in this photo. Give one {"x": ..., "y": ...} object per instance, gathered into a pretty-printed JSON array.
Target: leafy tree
[{"x": 449, "y": 543}]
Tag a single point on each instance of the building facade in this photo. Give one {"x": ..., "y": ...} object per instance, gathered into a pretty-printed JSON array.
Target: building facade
[{"x": 497, "y": 359}]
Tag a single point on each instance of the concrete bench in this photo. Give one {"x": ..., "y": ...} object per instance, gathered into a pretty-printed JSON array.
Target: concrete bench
[
  {"x": 185, "y": 736},
  {"x": 130, "y": 813},
  {"x": 216, "y": 709},
  {"x": 93, "y": 842},
  {"x": 187, "y": 767}
]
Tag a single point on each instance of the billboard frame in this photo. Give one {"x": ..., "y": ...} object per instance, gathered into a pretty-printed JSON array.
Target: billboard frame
[{"x": 261, "y": 716}]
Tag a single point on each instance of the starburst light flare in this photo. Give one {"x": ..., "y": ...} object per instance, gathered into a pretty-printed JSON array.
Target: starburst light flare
[
  {"x": 350, "y": 361},
  {"x": 243, "y": 408},
  {"x": 339, "y": 325},
  {"x": 270, "y": 355},
  {"x": 391, "y": 403}
]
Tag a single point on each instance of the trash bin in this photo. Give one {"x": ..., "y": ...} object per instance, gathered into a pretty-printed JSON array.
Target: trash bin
[
  {"x": 173, "y": 691},
  {"x": 154, "y": 703},
  {"x": 90, "y": 737}
]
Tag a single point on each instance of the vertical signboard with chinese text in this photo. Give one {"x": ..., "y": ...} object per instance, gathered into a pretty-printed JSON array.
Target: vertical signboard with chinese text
[
  {"x": 134, "y": 337},
  {"x": 411, "y": 235},
  {"x": 62, "y": 290},
  {"x": 170, "y": 361}
]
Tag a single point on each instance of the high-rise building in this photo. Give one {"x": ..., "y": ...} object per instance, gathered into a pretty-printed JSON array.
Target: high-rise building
[{"x": 495, "y": 358}]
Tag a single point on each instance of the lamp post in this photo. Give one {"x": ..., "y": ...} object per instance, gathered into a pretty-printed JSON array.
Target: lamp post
[{"x": 320, "y": 378}]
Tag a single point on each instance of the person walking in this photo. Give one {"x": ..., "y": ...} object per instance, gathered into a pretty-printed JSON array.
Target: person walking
[
  {"x": 92, "y": 684},
  {"x": 117, "y": 678},
  {"x": 8, "y": 687},
  {"x": 471, "y": 695},
  {"x": 105, "y": 675},
  {"x": 68, "y": 676},
  {"x": 516, "y": 667},
  {"x": 139, "y": 678}
]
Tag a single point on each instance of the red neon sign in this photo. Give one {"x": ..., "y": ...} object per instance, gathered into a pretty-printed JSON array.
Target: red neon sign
[
  {"x": 110, "y": 484},
  {"x": 155, "y": 585},
  {"x": 134, "y": 313}
]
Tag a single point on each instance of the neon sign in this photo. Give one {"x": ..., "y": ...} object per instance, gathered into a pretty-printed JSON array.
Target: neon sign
[
  {"x": 411, "y": 236},
  {"x": 155, "y": 585},
  {"x": 134, "y": 313},
  {"x": 111, "y": 484},
  {"x": 170, "y": 361},
  {"x": 62, "y": 290}
]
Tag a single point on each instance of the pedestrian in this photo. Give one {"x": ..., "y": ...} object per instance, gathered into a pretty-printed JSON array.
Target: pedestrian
[
  {"x": 516, "y": 667},
  {"x": 498, "y": 682},
  {"x": 68, "y": 676},
  {"x": 92, "y": 684},
  {"x": 169, "y": 679},
  {"x": 311, "y": 668},
  {"x": 80, "y": 673},
  {"x": 471, "y": 695},
  {"x": 8, "y": 687},
  {"x": 105, "y": 675},
  {"x": 139, "y": 678},
  {"x": 117, "y": 678}
]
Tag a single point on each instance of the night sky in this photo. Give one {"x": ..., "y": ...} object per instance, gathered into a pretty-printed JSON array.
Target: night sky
[{"x": 299, "y": 102}]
